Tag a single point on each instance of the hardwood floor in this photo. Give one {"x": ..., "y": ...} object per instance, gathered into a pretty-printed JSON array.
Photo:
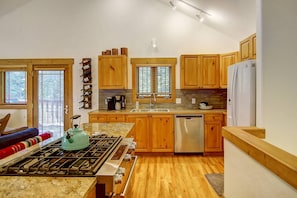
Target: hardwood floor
[{"x": 174, "y": 176}]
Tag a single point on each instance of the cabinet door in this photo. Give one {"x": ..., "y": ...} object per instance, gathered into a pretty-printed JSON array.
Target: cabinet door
[
  {"x": 112, "y": 72},
  {"x": 162, "y": 133},
  {"x": 245, "y": 48},
  {"x": 213, "y": 133},
  {"x": 189, "y": 74},
  {"x": 248, "y": 48},
  {"x": 254, "y": 46},
  {"x": 140, "y": 131},
  {"x": 210, "y": 71},
  {"x": 225, "y": 61},
  {"x": 97, "y": 118}
]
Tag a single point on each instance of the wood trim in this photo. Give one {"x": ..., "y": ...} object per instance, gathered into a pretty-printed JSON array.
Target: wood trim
[
  {"x": 260, "y": 133},
  {"x": 280, "y": 162},
  {"x": 154, "y": 61},
  {"x": 33, "y": 64},
  {"x": 46, "y": 61}
]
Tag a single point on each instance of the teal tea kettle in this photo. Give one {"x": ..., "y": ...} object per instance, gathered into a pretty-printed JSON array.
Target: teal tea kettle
[{"x": 75, "y": 138}]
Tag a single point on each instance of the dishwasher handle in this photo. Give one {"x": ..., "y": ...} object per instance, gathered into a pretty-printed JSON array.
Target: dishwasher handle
[{"x": 189, "y": 116}]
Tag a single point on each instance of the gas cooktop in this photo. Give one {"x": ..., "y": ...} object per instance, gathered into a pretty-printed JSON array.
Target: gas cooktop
[{"x": 52, "y": 160}]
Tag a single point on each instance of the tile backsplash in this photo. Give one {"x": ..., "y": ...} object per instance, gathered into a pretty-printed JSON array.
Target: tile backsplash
[{"x": 215, "y": 97}]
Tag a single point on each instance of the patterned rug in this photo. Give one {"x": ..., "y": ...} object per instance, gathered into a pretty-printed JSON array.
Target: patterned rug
[{"x": 216, "y": 180}]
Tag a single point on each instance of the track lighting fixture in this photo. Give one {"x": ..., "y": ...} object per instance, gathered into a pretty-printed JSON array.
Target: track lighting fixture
[
  {"x": 200, "y": 17},
  {"x": 173, "y": 5}
]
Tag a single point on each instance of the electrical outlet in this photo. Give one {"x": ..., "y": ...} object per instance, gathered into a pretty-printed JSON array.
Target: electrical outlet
[
  {"x": 193, "y": 100},
  {"x": 178, "y": 100}
]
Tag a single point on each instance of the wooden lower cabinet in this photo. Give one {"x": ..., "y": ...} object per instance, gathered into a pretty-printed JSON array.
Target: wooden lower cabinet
[
  {"x": 140, "y": 131},
  {"x": 213, "y": 141},
  {"x": 152, "y": 133},
  {"x": 162, "y": 134},
  {"x": 100, "y": 118},
  {"x": 97, "y": 118},
  {"x": 115, "y": 118}
]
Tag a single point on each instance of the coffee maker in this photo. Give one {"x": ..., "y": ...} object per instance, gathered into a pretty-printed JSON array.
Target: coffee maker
[
  {"x": 111, "y": 103},
  {"x": 123, "y": 102},
  {"x": 117, "y": 102}
]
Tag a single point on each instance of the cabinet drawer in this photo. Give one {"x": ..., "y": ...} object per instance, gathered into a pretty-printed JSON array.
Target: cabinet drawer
[
  {"x": 213, "y": 117},
  {"x": 97, "y": 118},
  {"x": 117, "y": 118}
]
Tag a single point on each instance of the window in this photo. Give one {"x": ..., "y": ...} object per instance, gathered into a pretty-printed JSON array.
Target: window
[
  {"x": 13, "y": 85},
  {"x": 153, "y": 76}
]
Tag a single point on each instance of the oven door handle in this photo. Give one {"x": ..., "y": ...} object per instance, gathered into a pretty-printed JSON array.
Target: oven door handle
[{"x": 129, "y": 177}]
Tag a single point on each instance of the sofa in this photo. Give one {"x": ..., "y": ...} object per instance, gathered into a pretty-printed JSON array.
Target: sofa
[
  {"x": 18, "y": 136},
  {"x": 21, "y": 139}
]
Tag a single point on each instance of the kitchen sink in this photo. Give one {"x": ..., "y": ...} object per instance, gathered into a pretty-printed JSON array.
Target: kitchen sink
[{"x": 149, "y": 110}]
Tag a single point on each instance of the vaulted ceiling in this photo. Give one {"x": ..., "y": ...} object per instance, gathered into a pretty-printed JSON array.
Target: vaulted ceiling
[{"x": 236, "y": 18}]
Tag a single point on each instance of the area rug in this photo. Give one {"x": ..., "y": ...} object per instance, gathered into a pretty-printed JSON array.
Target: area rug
[{"x": 216, "y": 180}]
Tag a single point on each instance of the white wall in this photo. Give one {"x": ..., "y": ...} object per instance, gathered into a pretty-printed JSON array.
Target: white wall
[
  {"x": 77, "y": 29},
  {"x": 244, "y": 177},
  {"x": 280, "y": 73},
  {"x": 276, "y": 103}
]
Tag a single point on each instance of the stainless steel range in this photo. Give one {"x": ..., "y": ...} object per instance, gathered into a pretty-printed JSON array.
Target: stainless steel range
[{"x": 110, "y": 159}]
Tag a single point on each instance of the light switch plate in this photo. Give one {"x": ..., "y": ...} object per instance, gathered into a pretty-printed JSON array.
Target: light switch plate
[
  {"x": 178, "y": 100},
  {"x": 193, "y": 100}
]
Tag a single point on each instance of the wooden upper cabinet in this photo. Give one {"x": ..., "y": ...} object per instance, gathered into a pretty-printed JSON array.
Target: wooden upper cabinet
[
  {"x": 112, "y": 72},
  {"x": 225, "y": 61},
  {"x": 200, "y": 71},
  {"x": 254, "y": 46},
  {"x": 189, "y": 66},
  {"x": 248, "y": 48},
  {"x": 210, "y": 65}
]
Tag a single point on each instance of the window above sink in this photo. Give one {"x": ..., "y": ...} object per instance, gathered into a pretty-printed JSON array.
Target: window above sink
[{"x": 153, "y": 76}]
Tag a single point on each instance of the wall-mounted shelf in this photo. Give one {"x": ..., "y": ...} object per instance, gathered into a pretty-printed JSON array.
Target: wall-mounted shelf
[{"x": 87, "y": 84}]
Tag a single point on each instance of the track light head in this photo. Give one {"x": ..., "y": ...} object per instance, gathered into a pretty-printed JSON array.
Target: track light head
[
  {"x": 173, "y": 5},
  {"x": 200, "y": 17}
]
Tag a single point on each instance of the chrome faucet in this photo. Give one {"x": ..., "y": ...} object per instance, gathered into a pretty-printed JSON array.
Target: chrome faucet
[{"x": 153, "y": 95}]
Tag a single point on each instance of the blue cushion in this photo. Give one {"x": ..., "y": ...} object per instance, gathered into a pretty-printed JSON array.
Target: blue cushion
[{"x": 16, "y": 137}]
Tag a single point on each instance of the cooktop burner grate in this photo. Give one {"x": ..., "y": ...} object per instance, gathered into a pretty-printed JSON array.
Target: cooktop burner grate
[{"x": 52, "y": 160}]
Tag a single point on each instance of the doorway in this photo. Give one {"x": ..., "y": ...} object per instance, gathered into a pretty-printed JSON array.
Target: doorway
[{"x": 52, "y": 85}]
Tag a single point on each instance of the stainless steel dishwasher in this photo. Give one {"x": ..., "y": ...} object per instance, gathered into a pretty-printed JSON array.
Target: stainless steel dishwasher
[{"x": 189, "y": 133}]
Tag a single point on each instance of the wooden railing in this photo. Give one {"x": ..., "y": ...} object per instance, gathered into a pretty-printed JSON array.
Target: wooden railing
[
  {"x": 273, "y": 158},
  {"x": 51, "y": 115}
]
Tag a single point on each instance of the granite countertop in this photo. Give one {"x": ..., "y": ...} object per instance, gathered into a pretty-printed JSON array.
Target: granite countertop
[
  {"x": 50, "y": 187},
  {"x": 171, "y": 111},
  {"x": 112, "y": 129},
  {"x": 74, "y": 187}
]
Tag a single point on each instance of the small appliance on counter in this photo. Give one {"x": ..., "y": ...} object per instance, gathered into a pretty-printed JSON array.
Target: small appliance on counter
[
  {"x": 117, "y": 102},
  {"x": 204, "y": 106},
  {"x": 111, "y": 103},
  {"x": 123, "y": 102},
  {"x": 75, "y": 138}
]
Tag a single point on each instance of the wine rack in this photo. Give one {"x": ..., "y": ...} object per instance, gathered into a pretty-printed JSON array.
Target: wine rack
[{"x": 86, "y": 102}]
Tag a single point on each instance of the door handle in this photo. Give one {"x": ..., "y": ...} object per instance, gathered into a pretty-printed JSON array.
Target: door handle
[{"x": 66, "y": 109}]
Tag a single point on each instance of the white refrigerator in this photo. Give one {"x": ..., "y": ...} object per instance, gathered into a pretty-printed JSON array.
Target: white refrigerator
[{"x": 241, "y": 94}]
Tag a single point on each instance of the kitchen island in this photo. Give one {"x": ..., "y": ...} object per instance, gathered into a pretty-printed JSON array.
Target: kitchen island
[{"x": 43, "y": 186}]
